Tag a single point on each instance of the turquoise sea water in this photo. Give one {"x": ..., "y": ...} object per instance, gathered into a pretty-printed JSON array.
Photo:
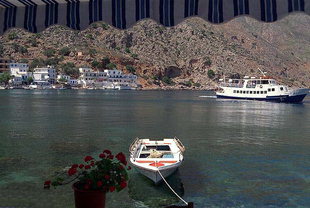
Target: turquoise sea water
[{"x": 239, "y": 153}]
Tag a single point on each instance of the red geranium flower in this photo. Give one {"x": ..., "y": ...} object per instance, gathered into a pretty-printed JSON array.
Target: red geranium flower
[
  {"x": 102, "y": 155},
  {"x": 107, "y": 177},
  {"x": 87, "y": 166},
  {"x": 123, "y": 184},
  {"x": 81, "y": 166},
  {"x": 107, "y": 152},
  {"x": 88, "y": 158},
  {"x": 112, "y": 188},
  {"x": 122, "y": 158},
  {"x": 110, "y": 157},
  {"x": 47, "y": 183},
  {"x": 75, "y": 166},
  {"x": 92, "y": 163},
  {"x": 99, "y": 183},
  {"x": 72, "y": 171}
]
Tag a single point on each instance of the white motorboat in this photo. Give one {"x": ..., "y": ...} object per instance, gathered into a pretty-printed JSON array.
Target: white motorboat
[
  {"x": 262, "y": 88},
  {"x": 156, "y": 158}
]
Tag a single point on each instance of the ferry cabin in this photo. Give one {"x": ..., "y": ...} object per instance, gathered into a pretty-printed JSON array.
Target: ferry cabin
[{"x": 252, "y": 88}]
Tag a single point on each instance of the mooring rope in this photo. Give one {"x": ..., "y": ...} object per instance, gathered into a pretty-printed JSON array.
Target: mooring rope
[{"x": 171, "y": 188}]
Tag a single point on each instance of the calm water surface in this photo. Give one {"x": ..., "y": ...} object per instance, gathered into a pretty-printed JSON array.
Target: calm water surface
[{"x": 239, "y": 153}]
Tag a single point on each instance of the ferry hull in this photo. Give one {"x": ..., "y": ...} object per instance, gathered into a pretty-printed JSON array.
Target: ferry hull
[{"x": 282, "y": 99}]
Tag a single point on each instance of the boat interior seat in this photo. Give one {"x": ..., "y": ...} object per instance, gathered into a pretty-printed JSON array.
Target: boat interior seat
[{"x": 156, "y": 154}]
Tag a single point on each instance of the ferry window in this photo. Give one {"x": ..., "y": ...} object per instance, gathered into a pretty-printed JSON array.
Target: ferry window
[
  {"x": 250, "y": 92},
  {"x": 265, "y": 92},
  {"x": 234, "y": 91},
  {"x": 258, "y": 82},
  {"x": 261, "y": 92},
  {"x": 281, "y": 88},
  {"x": 265, "y": 82},
  {"x": 247, "y": 92},
  {"x": 273, "y": 89},
  {"x": 237, "y": 91},
  {"x": 254, "y": 92},
  {"x": 269, "y": 90}
]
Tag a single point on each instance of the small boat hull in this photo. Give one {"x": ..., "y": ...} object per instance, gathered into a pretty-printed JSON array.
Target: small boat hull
[{"x": 154, "y": 175}]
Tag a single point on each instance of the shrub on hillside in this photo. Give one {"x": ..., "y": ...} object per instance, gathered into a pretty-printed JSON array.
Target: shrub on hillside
[
  {"x": 49, "y": 52},
  {"x": 37, "y": 63},
  {"x": 65, "y": 51},
  {"x": 167, "y": 80},
  {"x": 211, "y": 74},
  {"x": 12, "y": 36},
  {"x": 208, "y": 62},
  {"x": 111, "y": 66},
  {"x": 70, "y": 69},
  {"x": 131, "y": 69},
  {"x": 105, "y": 62}
]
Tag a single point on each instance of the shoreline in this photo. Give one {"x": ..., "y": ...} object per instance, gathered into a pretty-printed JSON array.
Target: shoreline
[{"x": 85, "y": 89}]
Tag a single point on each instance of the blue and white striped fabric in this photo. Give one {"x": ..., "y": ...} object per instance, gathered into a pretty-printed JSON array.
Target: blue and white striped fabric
[{"x": 36, "y": 15}]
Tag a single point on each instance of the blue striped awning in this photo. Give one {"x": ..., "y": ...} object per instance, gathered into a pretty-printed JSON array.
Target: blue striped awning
[{"x": 36, "y": 15}]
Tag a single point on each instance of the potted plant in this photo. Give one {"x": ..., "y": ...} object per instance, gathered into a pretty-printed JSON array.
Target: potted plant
[{"x": 94, "y": 178}]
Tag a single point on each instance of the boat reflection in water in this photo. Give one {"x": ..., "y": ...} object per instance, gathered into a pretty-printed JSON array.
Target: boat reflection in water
[{"x": 146, "y": 193}]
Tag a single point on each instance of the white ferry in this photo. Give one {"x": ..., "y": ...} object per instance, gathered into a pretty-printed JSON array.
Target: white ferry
[{"x": 263, "y": 88}]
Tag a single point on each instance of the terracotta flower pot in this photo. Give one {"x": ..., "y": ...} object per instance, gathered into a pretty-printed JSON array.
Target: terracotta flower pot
[{"x": 88, "y": 198}]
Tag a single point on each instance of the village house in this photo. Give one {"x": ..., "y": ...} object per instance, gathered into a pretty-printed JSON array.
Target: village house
[
  {"x": 108, "y": 79},
  {"x": 47, "y": 74},
  {"x": 63, "y": 77},
  {"x": 20, "y": 73}
]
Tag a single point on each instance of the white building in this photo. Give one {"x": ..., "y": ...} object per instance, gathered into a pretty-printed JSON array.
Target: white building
[
  {"x": 63, "y": 76},
  {"x": 118, "y": 76},
  {"x": 88, "y": 77},
  {"x": 20, "y": 73},
  {"x": 47, "y": 74},
  {"x": 106, "y": 79}
]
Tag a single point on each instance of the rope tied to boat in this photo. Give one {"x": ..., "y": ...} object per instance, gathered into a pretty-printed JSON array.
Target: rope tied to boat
[{"x": 171, "y": 188}]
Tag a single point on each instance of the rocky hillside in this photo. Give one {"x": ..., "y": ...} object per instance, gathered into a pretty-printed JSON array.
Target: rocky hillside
[{"x": 191, "y": 55}]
